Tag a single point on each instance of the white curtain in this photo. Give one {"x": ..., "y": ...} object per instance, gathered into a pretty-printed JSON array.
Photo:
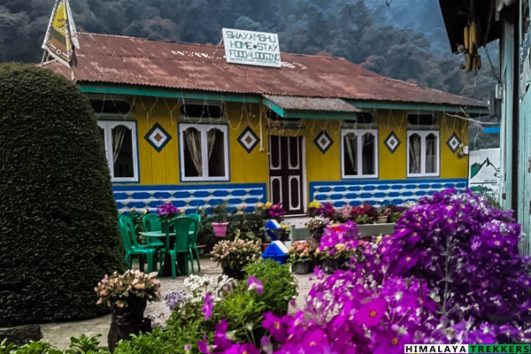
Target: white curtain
[
  {"x": 118, "y": 134},
  {"x": 211, "y": 141},
  {"x": 414, "y": 153},
  {"x": 193, "y": 141},
  {"x": 431, "y": 153},
  {"x": 351, "y": 148}
]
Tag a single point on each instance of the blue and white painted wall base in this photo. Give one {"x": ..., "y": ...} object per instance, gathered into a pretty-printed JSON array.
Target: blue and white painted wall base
[
  {"x": 380, "y": 192},
  {"x": 188, "y": 197}
]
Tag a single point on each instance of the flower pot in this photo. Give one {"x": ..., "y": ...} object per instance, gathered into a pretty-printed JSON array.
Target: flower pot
[
  {"x": 303, "y": 267},
  {"x": 381, "y": 220},
  {"x": 128, "y": 320},
  {"x": 234, "y": 273},
  {"x": 330, "y": 266},
  {"x": 220, "y": 228}
]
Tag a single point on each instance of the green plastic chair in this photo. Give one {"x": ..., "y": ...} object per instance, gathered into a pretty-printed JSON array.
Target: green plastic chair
[
  {"x": 193, "y": 240},
  {"x": 151, "y": 222},
  {"x": 131, "y": 246},
  {"x": 181, "y": 226}
]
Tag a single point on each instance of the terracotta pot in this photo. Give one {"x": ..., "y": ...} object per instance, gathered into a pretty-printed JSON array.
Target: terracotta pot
[
  {"x": 220, "y": 228},
  {"x": 234, "y": 273},
  {"x": 304, "y": 267}
]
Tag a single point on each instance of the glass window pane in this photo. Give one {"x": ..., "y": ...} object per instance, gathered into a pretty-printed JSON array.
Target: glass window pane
[
  {"x": 216, "y": 153},
  {"x": 368, "y": 152},
  {"x": 431, "y": 153},
  {"x": 192, "y": 153},
  {"x": 350, "y": 154},
  {"x": 122, "y": 151},
  {"x": 414, "y": 153}
]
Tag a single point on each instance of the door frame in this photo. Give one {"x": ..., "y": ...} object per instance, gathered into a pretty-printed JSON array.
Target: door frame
[{"x": 304, "y": 179}]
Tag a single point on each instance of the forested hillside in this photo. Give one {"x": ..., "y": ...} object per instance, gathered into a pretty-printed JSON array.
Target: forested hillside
[{"x": 405, "y": 40}]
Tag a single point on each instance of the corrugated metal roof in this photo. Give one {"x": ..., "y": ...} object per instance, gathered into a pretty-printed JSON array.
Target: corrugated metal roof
[
  {"x": 291, "y": 103},
  {"x": 114, "y": 59}
]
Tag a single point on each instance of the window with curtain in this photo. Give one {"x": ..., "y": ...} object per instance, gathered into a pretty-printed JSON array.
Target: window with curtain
[
  {"x": 359, "y": 149},
  {"x": 120, "y": 149},
  {"x": 204, "y": 152},
  {"x": 423, "y": 153}
]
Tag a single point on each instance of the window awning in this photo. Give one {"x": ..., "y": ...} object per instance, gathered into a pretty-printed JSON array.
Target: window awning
[{"x": 310, "y": 107}]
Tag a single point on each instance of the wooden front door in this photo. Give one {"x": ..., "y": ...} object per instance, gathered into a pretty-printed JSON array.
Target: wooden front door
[{"x": 286, "y": 173}]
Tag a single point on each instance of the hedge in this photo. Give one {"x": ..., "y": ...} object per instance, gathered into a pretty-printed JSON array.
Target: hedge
[{"x": 58, "y": 233}]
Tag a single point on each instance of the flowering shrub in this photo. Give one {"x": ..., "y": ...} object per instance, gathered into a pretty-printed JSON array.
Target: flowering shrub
[
  {"x": 339, "y": 241},
  {"x": 271, "y": 211},
  {"x": 167, "y": 211},
  {"x": 117, "y": 288},
  {"x": 300, "y": 251},
  {"x": 467, "y": 252},
  {"x": 235, "y": 254},
  {"x": 362, "y": 214},
  {"x": 195, "y": 289}
]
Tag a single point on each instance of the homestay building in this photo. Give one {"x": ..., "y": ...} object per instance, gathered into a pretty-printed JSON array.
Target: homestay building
[
  {"x": 182, "y": 124},
  {"x": 509, "y": 22}
]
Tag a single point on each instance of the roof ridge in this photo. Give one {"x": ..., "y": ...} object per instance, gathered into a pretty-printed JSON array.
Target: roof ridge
[{"x": 330, "y": 56}]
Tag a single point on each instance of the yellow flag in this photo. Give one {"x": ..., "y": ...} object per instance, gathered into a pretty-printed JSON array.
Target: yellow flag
[{"x": 60, "y": 40}]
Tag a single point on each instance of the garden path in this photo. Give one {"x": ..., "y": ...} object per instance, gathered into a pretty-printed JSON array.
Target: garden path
[{"x": 59, "y": 334}]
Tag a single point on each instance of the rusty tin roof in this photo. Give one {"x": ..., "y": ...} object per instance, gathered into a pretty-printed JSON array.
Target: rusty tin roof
[{"x": 112, "y": 59}]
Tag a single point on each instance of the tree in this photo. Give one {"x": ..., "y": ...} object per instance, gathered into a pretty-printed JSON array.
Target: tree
[{"x": 58, "y": 233}]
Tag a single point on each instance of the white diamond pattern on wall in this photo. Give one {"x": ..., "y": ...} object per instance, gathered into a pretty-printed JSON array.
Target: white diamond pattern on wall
[
  {"x": 323, "y": 141},
  {"x": 248, "y": 139},
  {"x": 392, "y": 142},
  {"x": 453, "y": 143},
  {"x": 157, "y": 137}
]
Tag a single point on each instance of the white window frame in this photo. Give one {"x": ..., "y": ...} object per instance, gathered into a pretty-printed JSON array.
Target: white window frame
[
  {"x": 107, "y": 126},
  {"x": 359, "y": 134},
  {"x": 203, "y": 129},
  {"x": 423, "y": 134}
]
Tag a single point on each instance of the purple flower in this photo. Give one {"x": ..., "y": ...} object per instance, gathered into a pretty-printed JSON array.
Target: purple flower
[
  {"x": 221, "y": 342},
  {"x": 371, "y": 313},
  {"x": 239, "y": 348},
  {"x": 207, "y": 306},
  {"x": 203, "y": 346},
  {"x": 255, "y": 284},
  {"x": 274, "y": 325},
  {"x": 167, "y": 210}
]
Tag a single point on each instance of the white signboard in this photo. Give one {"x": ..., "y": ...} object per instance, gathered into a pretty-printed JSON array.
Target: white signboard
[{"x": 251, "y": 48}]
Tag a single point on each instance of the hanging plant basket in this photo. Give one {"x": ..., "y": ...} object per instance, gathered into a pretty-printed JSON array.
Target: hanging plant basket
[{"x": 220, "y": 228}]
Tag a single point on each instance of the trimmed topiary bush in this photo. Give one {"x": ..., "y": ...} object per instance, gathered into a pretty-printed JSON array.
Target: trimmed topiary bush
[{"x": 58, "y": 232}]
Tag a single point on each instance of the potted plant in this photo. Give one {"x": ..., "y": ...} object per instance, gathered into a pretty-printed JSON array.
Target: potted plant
[
  {"x": 166, "y": 212},
  {"x": 233, "y": 256},
  {"x": 300, "y": 257},
  {"x": 271, "y": 211},
  {"x": 384, "y": 214},
  {"x": 220, "y": 223},
  {"x": 316, "y": 226},
  {"x": 127, "y": 295},
  {"x": 338, "y": 244}
]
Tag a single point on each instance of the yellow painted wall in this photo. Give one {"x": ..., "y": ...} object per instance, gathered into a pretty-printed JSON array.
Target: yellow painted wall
[
  {"x": 159, "y": 168},
  {"x": 247, "y": 167},
  {"x": 319, "y": 166}
]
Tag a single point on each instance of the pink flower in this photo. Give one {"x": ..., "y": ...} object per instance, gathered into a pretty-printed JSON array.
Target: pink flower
[
  {"x": 255, "y": 284},
  {"x": 207, "y": 306}
]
